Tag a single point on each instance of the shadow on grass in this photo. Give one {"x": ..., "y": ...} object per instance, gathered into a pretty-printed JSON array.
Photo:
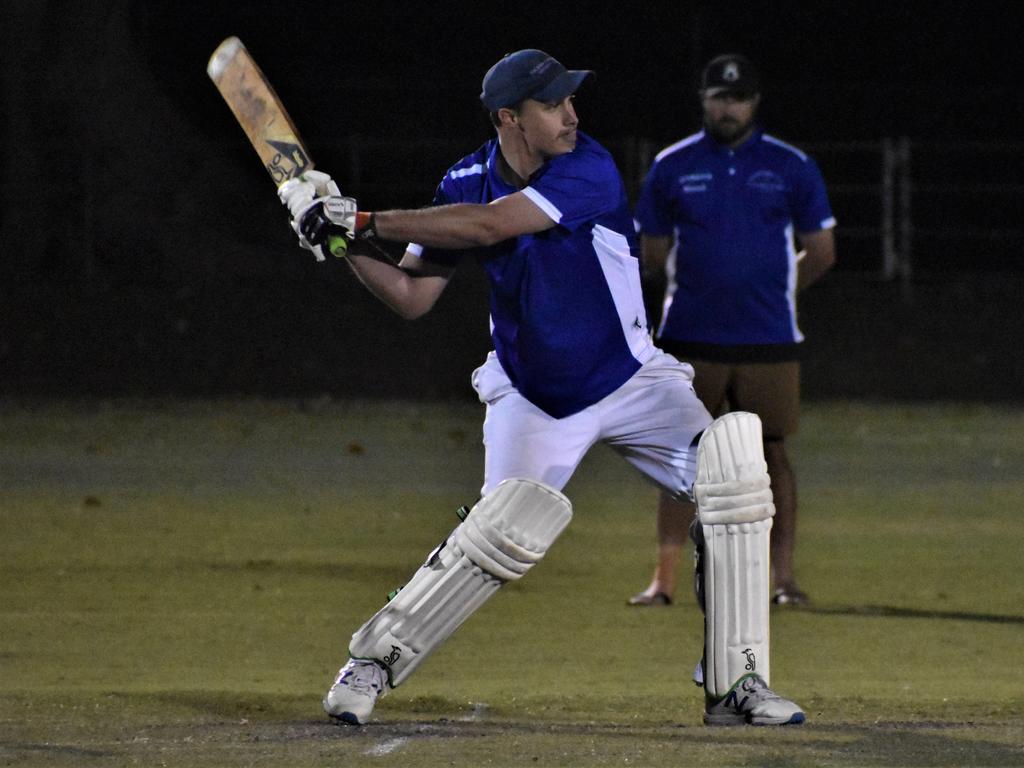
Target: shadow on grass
[{"x": 894, "y": 612}]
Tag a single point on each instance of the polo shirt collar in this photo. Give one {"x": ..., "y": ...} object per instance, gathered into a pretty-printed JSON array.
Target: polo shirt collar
[{"x": 717, "y": 148}]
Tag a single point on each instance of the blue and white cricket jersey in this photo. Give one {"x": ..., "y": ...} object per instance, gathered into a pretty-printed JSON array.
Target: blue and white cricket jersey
[
  {"x": 567, "y": 314},
  {"x": 733, "y": 215}
]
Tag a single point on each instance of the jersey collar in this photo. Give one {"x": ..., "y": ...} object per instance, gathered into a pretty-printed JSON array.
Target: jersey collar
[
  {"x": 721, "y": 149},
  {"x": 494, "y": 161}
]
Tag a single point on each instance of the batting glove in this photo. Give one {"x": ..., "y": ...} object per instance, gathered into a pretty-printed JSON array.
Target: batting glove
[
  {"x": 332, "y": 222},
  {"x": 323, "y": 218},
  {"x": 299, "y": 194}
]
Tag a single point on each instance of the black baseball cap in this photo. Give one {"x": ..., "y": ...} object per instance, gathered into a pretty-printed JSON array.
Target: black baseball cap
[
  {"x": 529, "y": 74},
  {"x": 730, "y": 73}
]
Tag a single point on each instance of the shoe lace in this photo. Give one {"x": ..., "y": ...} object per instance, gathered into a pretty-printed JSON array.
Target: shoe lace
[
  {"x": 363, "y": 678},
  {"x": 753, "y": 689}
]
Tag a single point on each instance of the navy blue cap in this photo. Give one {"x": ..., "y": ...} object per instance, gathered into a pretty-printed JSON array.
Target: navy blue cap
[
  {"x": 730, "y": 73},
  {"x": 529, "y": 74}
]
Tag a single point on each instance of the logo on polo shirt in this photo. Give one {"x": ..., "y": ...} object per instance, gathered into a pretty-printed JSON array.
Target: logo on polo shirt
[
  {"x": 767, "y": 181},
  {"x": 695, "y": 182}
]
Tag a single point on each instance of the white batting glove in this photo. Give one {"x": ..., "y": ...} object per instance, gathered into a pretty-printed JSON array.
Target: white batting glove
[
  {"x": 302, "y": 193},
  {"x": 298, "y": 193}
]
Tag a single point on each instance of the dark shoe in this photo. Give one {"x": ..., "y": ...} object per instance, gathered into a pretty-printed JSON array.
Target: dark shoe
[
  {"x": 658, "y": 598},
  {"x": 791, "y": 595}
]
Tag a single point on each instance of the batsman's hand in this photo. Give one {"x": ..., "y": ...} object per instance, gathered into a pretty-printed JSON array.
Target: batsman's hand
[
  {"x": 320, "y": 214},
  {"x": 298, "y": 193}
]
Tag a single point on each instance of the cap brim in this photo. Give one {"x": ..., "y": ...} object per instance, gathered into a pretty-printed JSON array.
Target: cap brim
[
  {"x": 566, "y": 84},
  {"x": 742, "y": 93}
]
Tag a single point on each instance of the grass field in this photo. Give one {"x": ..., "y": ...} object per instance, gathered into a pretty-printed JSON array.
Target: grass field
[{"x": 178, "y": 582}]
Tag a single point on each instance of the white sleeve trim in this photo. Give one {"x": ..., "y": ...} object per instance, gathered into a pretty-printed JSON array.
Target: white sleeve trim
[
  {"x": 474, "y": 170},
  {"x": 543, "y": 203},
  {"x": 415, "y": 249}
]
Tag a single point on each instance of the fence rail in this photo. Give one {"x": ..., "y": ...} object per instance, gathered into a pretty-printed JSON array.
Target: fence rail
[{"x": 931, "y": 195}]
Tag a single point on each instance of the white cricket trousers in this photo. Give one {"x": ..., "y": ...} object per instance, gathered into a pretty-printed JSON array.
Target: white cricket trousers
[{"x": 652, "y": 421}]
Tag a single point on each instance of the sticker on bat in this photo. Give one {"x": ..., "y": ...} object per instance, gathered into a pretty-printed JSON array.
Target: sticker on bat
[{"x": 289, "y": 161}]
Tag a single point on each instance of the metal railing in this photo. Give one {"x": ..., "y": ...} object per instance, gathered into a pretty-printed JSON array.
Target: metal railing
[
  {"x": 932, "y": 207},
  {"x": 897, "y": 227}
]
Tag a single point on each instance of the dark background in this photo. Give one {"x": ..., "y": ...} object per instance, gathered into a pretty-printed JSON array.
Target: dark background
[{"x": 144, "y": 251}]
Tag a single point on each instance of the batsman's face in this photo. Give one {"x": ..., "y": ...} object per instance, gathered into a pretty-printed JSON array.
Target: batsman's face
[
  {"x": 549, "y": 130},
  {"x": 728, "y": 118}
]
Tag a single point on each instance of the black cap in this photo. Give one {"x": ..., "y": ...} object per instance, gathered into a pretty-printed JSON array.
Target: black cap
[{"x": 730, "y": 73}]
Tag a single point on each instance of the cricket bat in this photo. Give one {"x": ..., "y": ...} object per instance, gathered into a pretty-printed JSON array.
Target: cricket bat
[{"x": 259, "y": 111}]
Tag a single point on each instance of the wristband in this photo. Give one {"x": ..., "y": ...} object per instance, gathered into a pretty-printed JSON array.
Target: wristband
[{"x": 366, "y": 225}]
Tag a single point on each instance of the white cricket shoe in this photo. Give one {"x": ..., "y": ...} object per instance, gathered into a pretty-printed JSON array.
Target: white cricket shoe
[
  {"x": 752, "y": 702},
  {"x": 356, "y": 689}
]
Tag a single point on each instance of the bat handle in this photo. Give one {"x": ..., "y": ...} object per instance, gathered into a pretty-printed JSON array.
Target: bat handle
[{"x": 337, "y": 245}]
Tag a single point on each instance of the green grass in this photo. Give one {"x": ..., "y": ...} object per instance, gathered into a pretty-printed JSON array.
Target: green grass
[{"x": 178, "y": 582}]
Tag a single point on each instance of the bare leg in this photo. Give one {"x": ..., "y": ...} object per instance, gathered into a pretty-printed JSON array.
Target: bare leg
[
  {"x": 783, "y": 538},
  {"x": 674, "y": 519}
]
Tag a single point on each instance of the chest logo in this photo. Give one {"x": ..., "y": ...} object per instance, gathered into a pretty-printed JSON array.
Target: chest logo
[
  {"x": 694, "y": 182},
  {"x": 766, "y": 181}
]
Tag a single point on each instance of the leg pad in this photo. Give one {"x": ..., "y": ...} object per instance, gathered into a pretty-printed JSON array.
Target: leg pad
[
  {"x": 734, "y": 511},
  {"x": 735, "y": 564},
  {"x": 506, "y": 533}
]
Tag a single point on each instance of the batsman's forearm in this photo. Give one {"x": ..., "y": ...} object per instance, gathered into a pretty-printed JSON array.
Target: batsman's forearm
[
  {"x": 455, "y": 227},
  {"x": 393, "y": 286}
]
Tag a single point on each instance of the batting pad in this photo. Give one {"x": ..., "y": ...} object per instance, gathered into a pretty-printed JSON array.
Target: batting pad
[
  {"x": 504, "y": 535},
  {"x": 734, "y": 507}
]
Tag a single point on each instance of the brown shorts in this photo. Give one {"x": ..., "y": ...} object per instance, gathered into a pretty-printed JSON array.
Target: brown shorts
[{"x": 771, "y": 390}]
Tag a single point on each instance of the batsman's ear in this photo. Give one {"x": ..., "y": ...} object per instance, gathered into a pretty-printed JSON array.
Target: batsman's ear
[{"x": 506, "y": 116}]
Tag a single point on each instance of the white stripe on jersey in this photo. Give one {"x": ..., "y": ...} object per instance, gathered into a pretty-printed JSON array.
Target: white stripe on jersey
[
  {"x": 622, "y": 274},
  {"x": 473, "y": 170},
  {"x": 543, "y": 203},
  {"x": 784, "y": 145},
  {"x": 679, "y": 145},
  {"x": 670, "y": 281},
  {"x": 791, "y": 282}
]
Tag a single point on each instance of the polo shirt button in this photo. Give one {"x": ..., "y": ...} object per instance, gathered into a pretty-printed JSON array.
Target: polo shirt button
[{"x": 732, "y": 171}]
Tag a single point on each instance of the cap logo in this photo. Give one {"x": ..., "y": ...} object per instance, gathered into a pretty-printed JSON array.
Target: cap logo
[
  {"x": 542, "y": 67},
  {"x": 731, "y": 73}
]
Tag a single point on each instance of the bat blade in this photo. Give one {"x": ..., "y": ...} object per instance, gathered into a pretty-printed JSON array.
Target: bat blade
[{"x": 259, "y": 111}]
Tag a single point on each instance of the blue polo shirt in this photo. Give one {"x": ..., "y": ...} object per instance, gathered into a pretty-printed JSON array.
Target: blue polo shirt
[
  {"x": 567, "y": 314},
  {"x": 732, "y": 215}
]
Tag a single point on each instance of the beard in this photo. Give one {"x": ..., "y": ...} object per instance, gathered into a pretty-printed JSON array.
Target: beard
[{"x": 728, "y": 130}]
